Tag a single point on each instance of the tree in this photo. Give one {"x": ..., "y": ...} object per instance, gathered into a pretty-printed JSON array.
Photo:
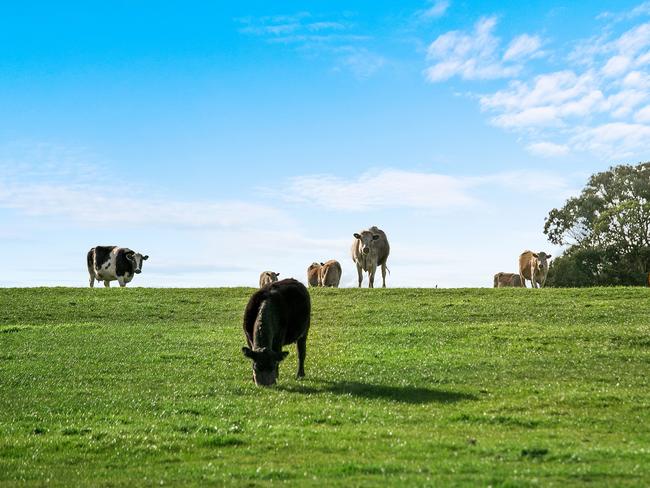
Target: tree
[{"x": 607, "y": 229}]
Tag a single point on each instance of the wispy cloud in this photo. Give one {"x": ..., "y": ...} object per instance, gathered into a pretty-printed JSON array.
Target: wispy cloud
[
  {"x": 338, "y": 39},
  {"x": 58, "y": 183},
  {"x": 391, "y": 188},
  {"x": 435, "y": 10},
  {"x": 523, "y": 47},
  {"x": 478, "y": 55},
  {"x": 638, "y": 11}
]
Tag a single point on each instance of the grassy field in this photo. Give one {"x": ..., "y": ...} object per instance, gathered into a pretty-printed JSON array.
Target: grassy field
[{"x": 504, "y": 387}]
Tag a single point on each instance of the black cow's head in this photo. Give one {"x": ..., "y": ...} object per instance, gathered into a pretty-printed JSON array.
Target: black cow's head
[
  {"x": 265, "y": 364},
  {"x": 367, "y": 240},
  {"x": 136, "y": 260}
]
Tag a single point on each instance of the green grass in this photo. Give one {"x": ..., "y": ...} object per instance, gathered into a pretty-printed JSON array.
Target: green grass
[{"x": 504, "y": 387}]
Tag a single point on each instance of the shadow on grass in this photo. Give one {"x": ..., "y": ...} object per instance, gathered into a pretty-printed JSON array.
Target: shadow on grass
[{"x": 402, "y": 394}]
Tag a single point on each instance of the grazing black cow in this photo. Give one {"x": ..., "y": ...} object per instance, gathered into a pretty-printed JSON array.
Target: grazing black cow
[
  {"x": 109, "y": 263},
  {"x": 276, "y": 315}
]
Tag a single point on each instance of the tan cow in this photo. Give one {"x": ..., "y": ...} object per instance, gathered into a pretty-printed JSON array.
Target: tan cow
[
  {"x": 533, "y": 266},
  {"x": 268, "y": 277},
  {"x": 313, "y": 273},
  {"x": 370, "y": 249},
  {"x": 330, "y": 273},
  {"x": 507, "y": 280}
]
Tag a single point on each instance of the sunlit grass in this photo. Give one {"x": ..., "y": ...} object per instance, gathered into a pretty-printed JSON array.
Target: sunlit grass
[{"x": 404, "y": 386}]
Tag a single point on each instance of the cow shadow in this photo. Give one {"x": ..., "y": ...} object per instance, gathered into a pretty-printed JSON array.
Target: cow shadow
[{"x": 401, "y": 394}]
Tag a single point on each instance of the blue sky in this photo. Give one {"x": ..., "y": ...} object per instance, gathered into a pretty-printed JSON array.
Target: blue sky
[{"x": 226, "y": 138}]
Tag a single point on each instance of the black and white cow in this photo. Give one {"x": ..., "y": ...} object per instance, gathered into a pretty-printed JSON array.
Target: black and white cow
[{"x": 109, "y": 263}]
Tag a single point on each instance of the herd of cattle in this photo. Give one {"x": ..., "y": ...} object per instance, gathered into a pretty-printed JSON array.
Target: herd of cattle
[
  {"x": 279, "y": 313},
  {"x": 370, "y": 250}
]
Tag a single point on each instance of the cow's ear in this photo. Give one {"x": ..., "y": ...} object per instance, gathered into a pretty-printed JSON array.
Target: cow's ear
[
  {"x": 129, "y": 256},
  {"x": 356, "y": 235},
  {"x": 375, "y": 237},
  {"x": 248, "y": 352},
  {"x": 535, "y": 255},
  {"x": 146, "y": 257},
  {"x": 548, "y": 256},
  {"x": 277, "y": 274},
  {"x": 322, "y": 264}
]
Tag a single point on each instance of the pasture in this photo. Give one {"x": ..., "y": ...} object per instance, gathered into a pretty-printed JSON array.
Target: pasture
[{"x": 505, "y": 387}]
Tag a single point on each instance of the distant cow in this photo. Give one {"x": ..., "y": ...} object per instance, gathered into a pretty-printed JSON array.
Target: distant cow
[
  {"x": 370, "y": 249},
  {"x": 506, "y": 280},
  {"x": 267, "y": 277},
  {"x": 533, "y": 267},
  {"x": 110, "y": 263},
  {"x": 313, "y": 274},
  {"x": 330, "y": 273},
  {"x": 276, "y": 315}
]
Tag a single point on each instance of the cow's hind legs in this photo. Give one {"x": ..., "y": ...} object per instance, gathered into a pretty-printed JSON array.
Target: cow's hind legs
[
  {"x": 371, "y": 277},
  {"x": 92, "y": 281},
  {"x": 302, "y": 353},
  {"x": 383, "y": 275},
  {"x": 107, "y": 283}
]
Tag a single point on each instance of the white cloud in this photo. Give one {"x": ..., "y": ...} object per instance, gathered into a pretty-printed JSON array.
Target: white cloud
[
  {"x": 386, "y": 189},
  {"x": 615, "y": 140},
  {"x": 548, "y": 149},
  {"x": 623, "y": 103},
  {"x": 314, "y": 38},
  {"x": 55, "y": 190},
  {"x": 639, "y": 10},
  {"x": 616, "y": 65},
  {"x": 643, "y": 115},
  {"x": 390, "y": 189},
  {"x": 522, "y": 47},
  {"x": 595, "y": 110},
  {"x": 475, "y": 55},
  {"x": 547, "y": 101},
  {"x": 92, "y": 206},
  {"x": 436, "y": 10}
]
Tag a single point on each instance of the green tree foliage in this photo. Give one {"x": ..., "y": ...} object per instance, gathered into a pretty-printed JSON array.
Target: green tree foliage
[{"x": 606, "y": 229}]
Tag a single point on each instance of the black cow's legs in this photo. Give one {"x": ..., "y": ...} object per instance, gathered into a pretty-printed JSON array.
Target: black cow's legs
[{"x": 302, "y": 352}]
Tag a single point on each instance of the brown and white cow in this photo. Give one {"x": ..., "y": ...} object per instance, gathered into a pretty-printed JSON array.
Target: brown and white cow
[
  {"x": 313, "y": 273},
  {"x": 267, "y": 277},
  {"x": 330, "y": 273},
  {"x": 507, "y": 280},
  {"x": 533, "y": 266},
  {"x": 110, "y": 263},
  {"x": 370, "y": 249}
]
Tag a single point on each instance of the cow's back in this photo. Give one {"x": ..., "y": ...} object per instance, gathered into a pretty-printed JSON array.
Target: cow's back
[
  {"x": 497, "y": 280},
  {"x": 503, "y": 280},
  {"x": 90, "y": 259},
  {"x": 525, "y": 260},
  {"x": 313, "y": 273},
  {"x": 98, "y": 256},
  {"x": 330, "y": 273},
  {"x": 291, "y": 301}
]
